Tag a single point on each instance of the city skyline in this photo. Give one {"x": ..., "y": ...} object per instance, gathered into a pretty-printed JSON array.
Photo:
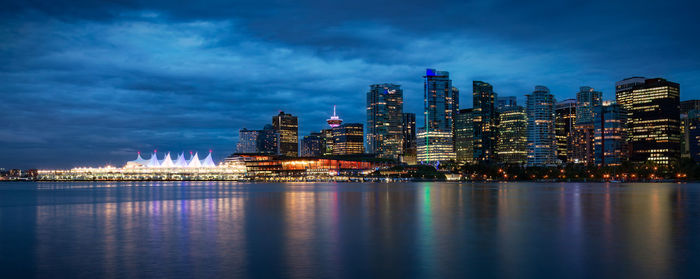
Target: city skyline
[{"x": 91, "y": 94}]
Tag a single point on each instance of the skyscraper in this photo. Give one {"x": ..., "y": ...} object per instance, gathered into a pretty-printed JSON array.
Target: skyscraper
[
  {"x": 409, "y": 137},
  {"x": 688, "y": 109},
  {"x": 435, "y": 141},
  {"x": 653, "y": 109},
  {"x": 587, "y": 102},
  {"x": 287, "y": 126},
  {"x": 541, "y": 143},
  {"x": 505, "y": 101},
  {"x": 512, "y": 135},
  {"x": 385, "y": 120},
  {"x": 313, "y": 145},
  {"x": 258, "y": 141},
  {"x": 464, "y": 135},
  {"x": 484, "y": 118},
  {"x": 610, "y": 135},
  {"x": 247, "y": 141},
  {"x": 441, "y": 101},
  {"x": 564, "y": 129},
  {"x": 693, "y": 128},
  {"x": 348, "y": 139}
]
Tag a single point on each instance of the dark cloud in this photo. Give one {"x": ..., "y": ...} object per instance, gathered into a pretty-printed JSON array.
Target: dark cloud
[{"x": 92, "y": 82}]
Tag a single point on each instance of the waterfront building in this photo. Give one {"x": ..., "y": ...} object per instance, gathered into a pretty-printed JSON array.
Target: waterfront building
[
  {"x": 687, "y": 107},
  {"x": 693, "y": 128},
  {"x": 258, "y": 141},
  {"x": 610, "y": 122},
  {"x": 587, "y": 102},
  {"x": 565, "y": 120},
  {"x": 348, "y": 139},
  {"x": 385, "y": 120},
  {"x": 541, "y": 143},
  {"x": 313, "y": 145},
  {"x": 329, "y": 142},
  {"x": 247, "y": 141},
  {"x": 512, "y": 135},
  {"x": 434, "y": 147},
  {"x": 505, "y": 102},
  {"x": 441, "y": 101},
  {"x": 484, "y": 117},
  {"x": 464, "y": 134},
  {"x": 287, "y": 126},
  {"x": 653, "y": 110},
  {"x": 409, "y": 138}
]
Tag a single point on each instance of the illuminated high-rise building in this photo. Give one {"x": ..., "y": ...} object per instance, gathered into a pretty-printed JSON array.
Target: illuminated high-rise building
[
  {"x": 503, "y": 102},
  {"x": 512, "y": 135},
  {"x": 435, "y": 141},
  {"x": 335, "y": 120},
  {"x": 565, "y": 120},
  {"x": 687, "y": 107},
  {"x": 434, "y": 147},
  {"x": 464, "y": 136},
  {"x": 653, "y": 110},
  {"x": 348, "y": 139},
  {"x": 693, "y": 131},
  {"x": 287, "y": 126},
  {"x": 441, "y": 101},
  {"x": 265, "y": 141},
  {"x": 313, "y": 145},
  {"x": 610, "y": 147},
  {"x": 409, "y": 138},
  {"x": 541, "y": 142},
  {"x": 484, "y": 118},
  {"x": 587, "y": 102},
  {"x": 385, "y": 120}
]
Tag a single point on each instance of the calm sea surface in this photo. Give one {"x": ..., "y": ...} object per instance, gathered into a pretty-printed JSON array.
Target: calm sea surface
[{"x": 349, "y": 230}]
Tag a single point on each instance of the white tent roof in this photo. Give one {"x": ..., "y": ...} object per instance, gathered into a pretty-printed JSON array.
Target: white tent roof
[
  {"x": 153, "y": 162},
  {"x": 208, "y": 162},
  {"x": 167, "y": 162},
  {"x": 181, "y": 162},
  {"x": 194, "y": 162}
]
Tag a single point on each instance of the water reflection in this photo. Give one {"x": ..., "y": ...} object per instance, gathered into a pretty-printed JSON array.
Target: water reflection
[{"x": 298, "y": 230}]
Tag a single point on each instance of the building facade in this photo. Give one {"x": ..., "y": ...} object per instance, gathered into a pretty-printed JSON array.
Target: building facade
[
  {"x": 505, "y": 101},
  {"x": 265, "y": 141},
  {"x": 348, "y": 139},
  {"x": 653, "y": 110},
  {"x": 587, "y": 102},
  {"x": 610, "y": 147},
  {"x": 434, "y": 147},
  {"x": 435, "y": 141},
  {"x": 409, "y": 138},
  {"x": 541, "y": 143},
  {"x": 441, "y": 101},
  {"x": 464, "y": 135},
  {"x": 313, "y": 145},
  {"x": 512, "y": 135},
  {"x": 484, "y": 119},
  {"x": 385, "y": 120},
  {"x": 287, "y": 126},
  {"x": 565, "y": 120}
]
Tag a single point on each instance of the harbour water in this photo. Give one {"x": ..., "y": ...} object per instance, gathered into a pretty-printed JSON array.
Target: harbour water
[{"x": 349, "y": 230}]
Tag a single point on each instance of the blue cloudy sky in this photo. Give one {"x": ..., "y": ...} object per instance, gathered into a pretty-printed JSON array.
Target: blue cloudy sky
[{"x": 93, "y": 82}]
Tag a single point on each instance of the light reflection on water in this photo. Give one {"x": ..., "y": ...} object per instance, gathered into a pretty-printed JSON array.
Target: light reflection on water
[{"x": 326, "y": 230}]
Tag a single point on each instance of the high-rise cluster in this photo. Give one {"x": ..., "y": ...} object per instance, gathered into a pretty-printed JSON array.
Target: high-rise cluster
[{"x": 646, "y": 123}]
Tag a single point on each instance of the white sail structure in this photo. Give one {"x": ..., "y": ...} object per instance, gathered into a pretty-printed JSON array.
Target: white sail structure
[
  {"x": 139, "y": 162},
  {"x": 153, "y": 162},
  {"x": 167, "y": 162},
  {"x": 181, "y": 162},
  {"x": 194, "y": 162},
  {"x": 208, "y": 162}
]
